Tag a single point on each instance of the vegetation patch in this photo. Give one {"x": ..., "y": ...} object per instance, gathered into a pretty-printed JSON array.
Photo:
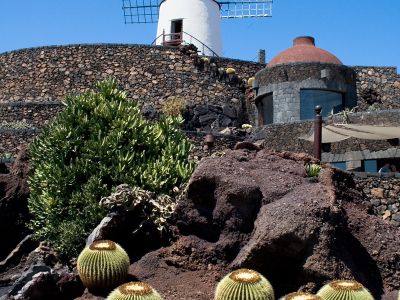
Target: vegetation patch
[{"x": 98, "y": 142}]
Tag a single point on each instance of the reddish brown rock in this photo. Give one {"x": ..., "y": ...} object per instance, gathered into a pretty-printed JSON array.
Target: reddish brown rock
[
  {"x": 258, "y": 210},
  {"x": 377, "y": 193},
  {"x": 14, "y": 193}
]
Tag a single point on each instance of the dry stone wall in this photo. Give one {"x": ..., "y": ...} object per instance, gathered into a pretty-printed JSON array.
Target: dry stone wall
[
  {"x": 285, "y": 137},
  {"x": 383, "y": 194},
  {"x": 150, "y": 74},
  {"x": 377, "y": 86},
  {"x": 12, "y": 139},
  {"x": 33, "y": 82},
  {"x": 33, "y": 114}
]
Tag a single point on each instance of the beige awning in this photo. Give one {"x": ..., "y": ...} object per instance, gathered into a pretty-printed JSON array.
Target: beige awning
[
  {"x": 372, "y": 132},
  {"x": 339, "y": 132}
]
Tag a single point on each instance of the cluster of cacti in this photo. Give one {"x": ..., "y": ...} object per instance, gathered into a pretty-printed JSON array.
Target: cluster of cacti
[
  {"x": 344, "y": 289},
  {"x": 134, "y": 291},
  {"x": 103, "y": 265},
  {"x": 244, "y": 284},
  {"x": 312, "y": 170},
  {"x": 300, "y": 296}
]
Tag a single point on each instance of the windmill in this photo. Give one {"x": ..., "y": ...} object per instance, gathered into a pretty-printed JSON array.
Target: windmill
[{"x": 192, "y": 21}]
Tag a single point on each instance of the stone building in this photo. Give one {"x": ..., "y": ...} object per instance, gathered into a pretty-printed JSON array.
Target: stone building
[
  {"x": 34, "y": 82},
  {"x": 298, "y": 79}
]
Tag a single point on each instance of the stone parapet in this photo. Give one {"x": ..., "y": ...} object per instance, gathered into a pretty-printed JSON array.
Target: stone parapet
[{"x": 377, "y": 86}]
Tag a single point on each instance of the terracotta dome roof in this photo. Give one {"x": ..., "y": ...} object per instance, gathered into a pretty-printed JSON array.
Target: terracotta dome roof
[{"x": 304, "y": 50}]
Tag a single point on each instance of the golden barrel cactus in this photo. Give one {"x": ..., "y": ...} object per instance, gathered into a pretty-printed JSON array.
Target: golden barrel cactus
[
  {"x": 134, "y": 291},
  {"x": 103, "y": 265},
  {"x": 344, "y": 289},
  {"x": 244, "y": 284}
]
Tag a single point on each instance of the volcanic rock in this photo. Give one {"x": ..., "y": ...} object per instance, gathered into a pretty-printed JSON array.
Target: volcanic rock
[
  {"x": 14, "y": 193},
  {"x": 40, "y": 275},
  {"x": 258, "y": 210}
]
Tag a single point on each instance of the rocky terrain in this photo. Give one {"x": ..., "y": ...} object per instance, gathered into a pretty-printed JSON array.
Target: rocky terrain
[
  {"x": 384, "y": 196},
  {"x": 254, "y": 209}
]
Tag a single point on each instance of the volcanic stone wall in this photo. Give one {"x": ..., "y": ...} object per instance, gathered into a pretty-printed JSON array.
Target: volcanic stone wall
[
  {"x": 379, "y": 85},
  {"x": 285, "y": 137},
  {"x": 33, "y": 114},
  {"x": 384, "y": 196},
  {"x": 150, "y": 74},
  {"x": 12, "y": 139},
  {"x": 33, "y": 82}
]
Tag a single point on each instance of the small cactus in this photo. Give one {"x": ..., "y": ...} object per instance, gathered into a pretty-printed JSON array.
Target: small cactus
[
  {"x": 250, "y": 81},
  {"x": 103, "y": 265},
  {"x": 205, "y": 60},
  {"x": 300, "y": 296},
  {"x": 230, "y": 71},
  {"x": 134, "y": 291},
  {"x": 244, "y": 284},
  {"x": 344, "y": 289}
]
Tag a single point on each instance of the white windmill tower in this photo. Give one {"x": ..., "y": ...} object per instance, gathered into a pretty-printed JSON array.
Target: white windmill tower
[{"x": 192, "y": 21}]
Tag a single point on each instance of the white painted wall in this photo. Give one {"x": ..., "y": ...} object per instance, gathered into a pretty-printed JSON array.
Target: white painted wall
[{"x": 201, "y": 18}]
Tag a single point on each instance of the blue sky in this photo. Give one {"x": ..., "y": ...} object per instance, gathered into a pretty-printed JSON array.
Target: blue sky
[{"x": 359, "y": 32}]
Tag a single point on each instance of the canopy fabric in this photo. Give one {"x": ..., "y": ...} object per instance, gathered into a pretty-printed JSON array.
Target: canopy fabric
[
  {"x": 384, "y": 132},
  {"x": 339, "y": 132}
]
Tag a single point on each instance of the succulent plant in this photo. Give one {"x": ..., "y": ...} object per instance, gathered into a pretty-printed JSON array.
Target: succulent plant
[
  {"x": 134, "y": 291},
  {"x": 103, "y": 265},
  {"x": 244, "y": 284},
  {"x": 300, "y": 296},
  {"x": 344, "y": 289},
  {"x": 312, "y": 170},
  {"x": 205, "y": 60},
  {"x": 230, "y": 71}
]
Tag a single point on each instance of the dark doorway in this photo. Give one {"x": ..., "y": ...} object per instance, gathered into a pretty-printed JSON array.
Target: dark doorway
[
  {"x": 176, "y": 26},
  {"x": 265, "y": 109}
]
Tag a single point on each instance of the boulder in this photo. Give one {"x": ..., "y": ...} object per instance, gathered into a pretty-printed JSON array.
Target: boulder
[
  {"x": 257, "y": 209},
  {"x": 40, "y": 275},
  {"x": 14, "y": 193}
]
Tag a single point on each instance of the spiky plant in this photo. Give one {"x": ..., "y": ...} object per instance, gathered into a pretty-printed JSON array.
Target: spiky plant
[
  {"x": 344, "y": 289},
  {"x": 134, "y": 291},
  {"x": 100, "y": 140},
  {"x": 244, "y": 284},
  {"x": 300, "y": 296},
  {"x": 103, "y": 265},
  {"x": 312, "y": 170}
]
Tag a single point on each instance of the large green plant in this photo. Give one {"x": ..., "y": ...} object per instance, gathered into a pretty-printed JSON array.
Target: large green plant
[{"x": 99, "y": 141}]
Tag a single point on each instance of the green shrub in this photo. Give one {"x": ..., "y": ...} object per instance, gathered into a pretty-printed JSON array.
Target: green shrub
[
  {"x": 174, "y": 107},
  {"x": 99, "y": 141}
]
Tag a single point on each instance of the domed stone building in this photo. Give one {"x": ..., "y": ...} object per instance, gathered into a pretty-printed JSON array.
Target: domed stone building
[{"x": 298, "y": 79}]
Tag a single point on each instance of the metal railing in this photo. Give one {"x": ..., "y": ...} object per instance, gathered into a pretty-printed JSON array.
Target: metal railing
[{"x": 176, "y": 39}]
